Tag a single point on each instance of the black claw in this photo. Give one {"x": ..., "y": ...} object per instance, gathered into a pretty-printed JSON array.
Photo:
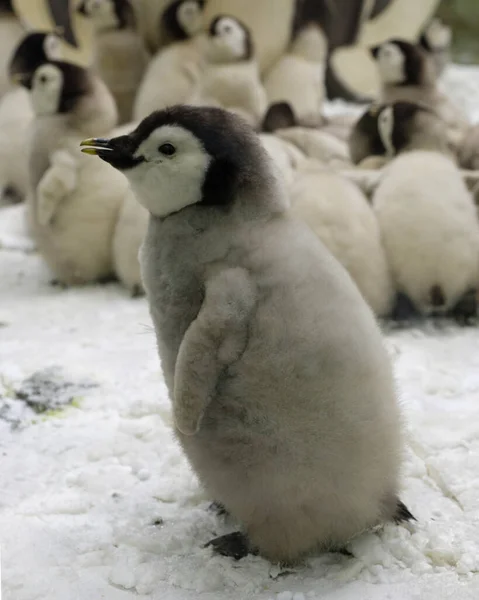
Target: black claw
[
  {"x": 402, "y": 513},
  {"x": 218, "y": 508},
  {"x": 234, "y": 545},
  {"x": 404, "y": 309},
  {"x": 465, "y": 310}
]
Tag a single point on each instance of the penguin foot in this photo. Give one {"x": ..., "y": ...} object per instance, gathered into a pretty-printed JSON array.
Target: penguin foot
[
  {"x": 234, "y": 545},
  {"x": 218, "y": 508},
  {"x": 404, "y": 309},
  {"x": 465, "y": 310},
  {"x": 402, "y": 514}
]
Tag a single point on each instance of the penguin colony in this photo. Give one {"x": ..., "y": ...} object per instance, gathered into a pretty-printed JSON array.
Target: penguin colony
[{"x": 227, "y": 196}]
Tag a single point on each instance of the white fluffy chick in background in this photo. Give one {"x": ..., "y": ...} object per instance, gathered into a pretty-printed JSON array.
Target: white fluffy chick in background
[
  {"x": 120, "y": 55},
  {"x": 175, "y": 70},
  {"x": 298, "y": 77},
  {"x": 73, "y": 204},
  {"x": 231, "y": 78}
]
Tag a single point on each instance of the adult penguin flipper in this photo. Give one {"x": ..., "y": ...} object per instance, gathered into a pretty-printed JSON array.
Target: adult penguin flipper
[{"x": 213, "y": 341}]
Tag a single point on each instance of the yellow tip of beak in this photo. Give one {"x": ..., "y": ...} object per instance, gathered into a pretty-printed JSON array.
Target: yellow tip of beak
[
  {"x": 88, "y": 142},
  {"x": 92, "y": 151},
  {"x": 17, "y": 78}
]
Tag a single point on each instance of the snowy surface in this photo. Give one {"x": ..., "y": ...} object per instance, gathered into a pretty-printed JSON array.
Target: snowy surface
[{"x": 97, "y": 501}]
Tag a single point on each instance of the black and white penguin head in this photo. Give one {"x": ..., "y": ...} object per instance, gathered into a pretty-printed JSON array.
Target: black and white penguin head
[
  {"x": 183, "y": 19},
  {"x": 107, "y": 14},
  {"x": 230, "y": 40},
  {"x": 437, "y": 36},
  {"x": 57, "y": 87},
  {"x": 397, "y": 123},
  {"x": 33, "y": 50},
  {"x": 400, "y": 63},
  {"x": 186, "y": 155}
]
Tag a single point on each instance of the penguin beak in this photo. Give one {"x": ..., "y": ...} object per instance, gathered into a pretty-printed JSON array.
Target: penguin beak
[
  {"x": 116, "y": 152},
  {"x": 19, "y": 78},
  {"x": 96, "y": 146}
]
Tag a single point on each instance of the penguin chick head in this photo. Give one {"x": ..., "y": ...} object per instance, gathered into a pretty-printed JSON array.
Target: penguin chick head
[
  {"x": 107, "y": 14},
  {"x": 185, "y": 155},
  {"x": 183, "y": 19},
  {"x": 33, "y": 50},
  {"x": 57, "y": 87},
  {"x": 399, "y": 123},
  {"x": 436, "y": 36},
  {"x": 230, "y": 40},
  {"x": 400, "y": 63}
]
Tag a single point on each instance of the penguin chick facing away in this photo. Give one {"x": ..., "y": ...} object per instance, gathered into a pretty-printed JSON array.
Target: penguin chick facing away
[
  {"x": 429, "y": 226},
  {"x": 407, "y": 74},
  {"x": 342, "y": 218},
  {"x": 423, "y": 130},
  {"x": 180, "y": 64},
  {"x": 282, "y": 391},
  {"x": 120, "y": 54},
  {"x": 73, "y": 204},
  {"x": 231, "y": 78},
  {"x": 298, "y": 77},
  {"x": 436, "y": 40}
]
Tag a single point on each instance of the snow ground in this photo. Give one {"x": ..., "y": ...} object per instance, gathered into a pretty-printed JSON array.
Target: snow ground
[{"x": 97, "y": 501}]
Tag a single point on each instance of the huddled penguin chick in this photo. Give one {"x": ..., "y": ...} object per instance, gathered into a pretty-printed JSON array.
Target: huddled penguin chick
[
  {"x": 16, "y": 113},
  {"x": 282, "y": 391},
  {"x": 231, "y": 78},
  {"x": 342, "y": 218},
  {"x": 120, "y": 55},
  {"x": 174, "y": 72},
  {"x": 286, "y": 156},
  {"x": 298, "y": 77},
  {"x": 423, "y": 130},
  {"x": 11, "y": 32},
  {"x": 73, "y": 204},
  {"x": 429, "y": 226},
  {"x": 436, "y": 40},
  {"x": 407, "y": 74}
]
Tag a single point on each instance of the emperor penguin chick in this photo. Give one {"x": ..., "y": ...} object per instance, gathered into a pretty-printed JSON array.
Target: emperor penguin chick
[
  {"x": 429, "y": 226},
  {"x": 231, "y": 78},
  {"x": 340, "y": 215},
  {"x": 282, "y": 391},
  {"x": 11, "y": 32},
  {"x": 407, "y": 74},
  {"x": 73, "y": 204},
  {"x": 298, "y": 77},
  {"x": 424, "y": 130},
  {"x": 175, "y": 70},
  {"x": 120, "y": 55},
  {"x": 436, "y": 40}
]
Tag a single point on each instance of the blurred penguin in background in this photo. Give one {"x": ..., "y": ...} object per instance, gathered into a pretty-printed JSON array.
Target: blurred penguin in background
[
  {"x": 11, "y": 32},
  {"x": 120, "y": 55},
  {"x": 175, "y": 70}
]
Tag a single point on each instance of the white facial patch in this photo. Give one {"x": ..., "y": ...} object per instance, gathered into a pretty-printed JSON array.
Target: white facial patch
[
  {"x": 46, "y": 90},
  {"x": 390, "y": 62},
  {"x": 386, "y": 128},
  {"x": 190, "y": 17},
  {"x": 52, "y": 46},
  {"x": 166, "y": 183},
  {"x": 230, "y": 38},
  {"x": 103, "y": 14},
  {"x": 438, "y": 35}
]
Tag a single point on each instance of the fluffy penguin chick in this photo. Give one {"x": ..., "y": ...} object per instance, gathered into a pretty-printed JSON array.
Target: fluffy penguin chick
[
  {"x": 436, "y": 41},
  {"x": 73, "y": 205},
  {"x": 423, "y": 130},
  {"x": 231, "y": 77},
  {"x": 429, "y": 227},
  {"x": 286, "y": 156},
  {"x": 298, "y": 77},
  {"x": 342, "y": 218},
  {"x": 281, "y": 387},
  {"x": 120, "y": 55},
  {"x": 407, "y": 74},
  {"x": 11, "y": 32},
  {"x": 173, "y": 73},
  {"x": 16, "y": 113}
]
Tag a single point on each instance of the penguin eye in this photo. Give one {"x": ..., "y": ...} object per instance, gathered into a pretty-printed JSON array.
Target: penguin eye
[
  {"x": 167, "y": 149},
  {"x": 43, "y": 78}
]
